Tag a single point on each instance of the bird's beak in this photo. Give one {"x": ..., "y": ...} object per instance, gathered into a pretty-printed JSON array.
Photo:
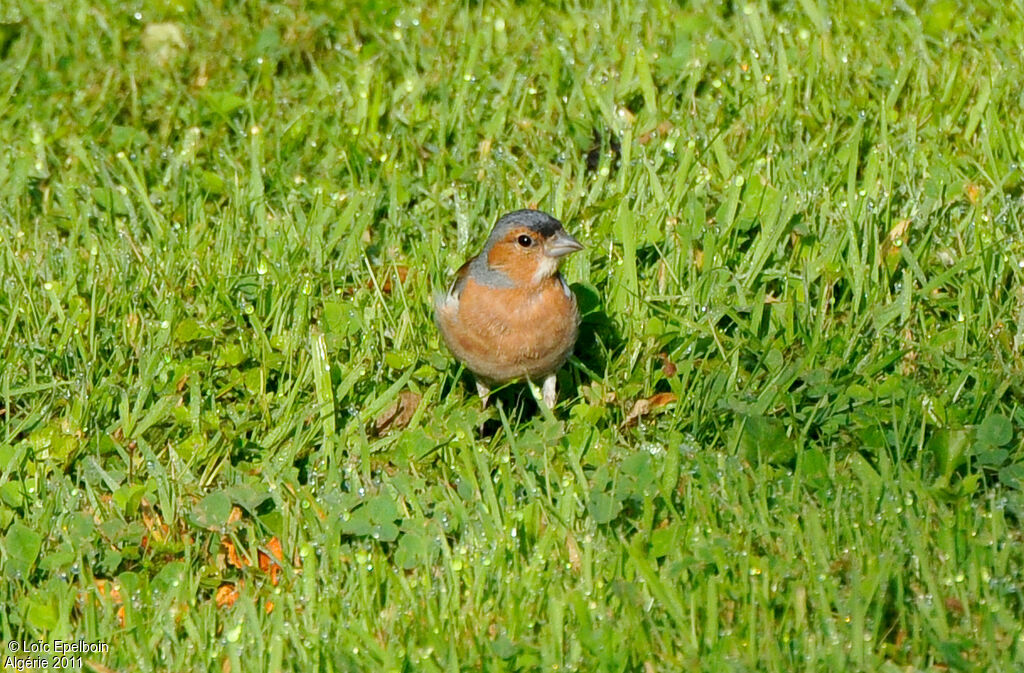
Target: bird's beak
[{"x": 561, "y": 244}]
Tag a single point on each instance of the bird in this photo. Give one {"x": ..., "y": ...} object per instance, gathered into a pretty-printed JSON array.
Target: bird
[{"x": 509, "y": 314}]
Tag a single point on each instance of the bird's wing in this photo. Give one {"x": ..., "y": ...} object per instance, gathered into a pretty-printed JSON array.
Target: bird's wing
[
  {"x": 450, "y": 298},
  {"x": 455, "y": 289}
]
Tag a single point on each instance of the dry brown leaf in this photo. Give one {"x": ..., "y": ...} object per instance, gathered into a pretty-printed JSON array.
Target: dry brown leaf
[
  {"x": 155, "y": 526},
  {"x": 226, "y": 595},
  {"x": 201, "y": 77},
  {"x": 973, "y": 193},
  {"x": 661, "y": 129},
  {"x": 641, "y": 407},
  {"x": 233, "y": 558},
  {"x": 661, "y": 399},
  {"x": 163, "y": 42},
  {"x": 271, "y": 564},
  {"x": 401, "y": 271},
  {"x": 667, "y": 366},
  {"x": 647, "y": 406},
  {"x": 954, "y": 605},
  {"x": 399, "y": 413},
  {"x": 384, "y": 279},
  {"x": 894, "y": 240},
  {"x": 573, "y": 549},
  {"x": 108, "y": 589}
]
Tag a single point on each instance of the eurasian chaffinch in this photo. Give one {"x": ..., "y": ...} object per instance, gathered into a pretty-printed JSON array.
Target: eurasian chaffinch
[{"x": 509, "y": 314}]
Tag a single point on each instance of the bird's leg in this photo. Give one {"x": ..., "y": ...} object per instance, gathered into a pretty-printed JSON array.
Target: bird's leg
[
  {"x": 545, "y": 397},
  {"x": 483, "y": 391},
  {"x": 550, "y": 394}
]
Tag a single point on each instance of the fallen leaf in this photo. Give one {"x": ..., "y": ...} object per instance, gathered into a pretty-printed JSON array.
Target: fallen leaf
[
  {"x": 155, "y": 526},
  {"x": 163, "y": 41},
  {"x": 573, "y": 549},
  {"x": 646, "y": 406},
  {"x": 661, "y": 130},
  {"x": 271, "y": 563},
  {"x": 641, "y": 407},
  {"x": 908, "y": 364},
  {"x": 973, "y": 193},
  {"x": 667, "y": 366},
  {"x": 226, "y": 595},
  {"x": 233, "y": 558},
  {"x": 401, "y": 271},
  {"x": 894, "y": 240},
  {"x": 201, "y": 78},
  {"x": 661, "y": 399},
  {"x": 399, "y": 413},
  {"x": 108, "y": 590}
]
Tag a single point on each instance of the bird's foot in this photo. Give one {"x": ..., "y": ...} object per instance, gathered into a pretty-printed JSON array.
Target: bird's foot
[{"x": 484, "y": 392}]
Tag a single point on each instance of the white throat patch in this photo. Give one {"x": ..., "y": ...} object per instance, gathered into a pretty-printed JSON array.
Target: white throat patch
[{"x": 547, "y": 267}]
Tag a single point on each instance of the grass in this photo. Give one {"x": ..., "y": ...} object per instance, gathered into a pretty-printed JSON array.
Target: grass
[{"x": 231, "y": 438}]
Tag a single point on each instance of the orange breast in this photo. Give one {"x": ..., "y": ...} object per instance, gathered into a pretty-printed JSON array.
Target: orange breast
[{"x": 506, "y": 334}]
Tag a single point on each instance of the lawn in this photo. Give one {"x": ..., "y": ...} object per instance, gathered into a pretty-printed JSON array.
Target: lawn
[{"x": 792, "y": 434}]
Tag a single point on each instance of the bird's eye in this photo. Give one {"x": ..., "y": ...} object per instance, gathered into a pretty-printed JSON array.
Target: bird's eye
[{"x": 525, "y": 241}]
